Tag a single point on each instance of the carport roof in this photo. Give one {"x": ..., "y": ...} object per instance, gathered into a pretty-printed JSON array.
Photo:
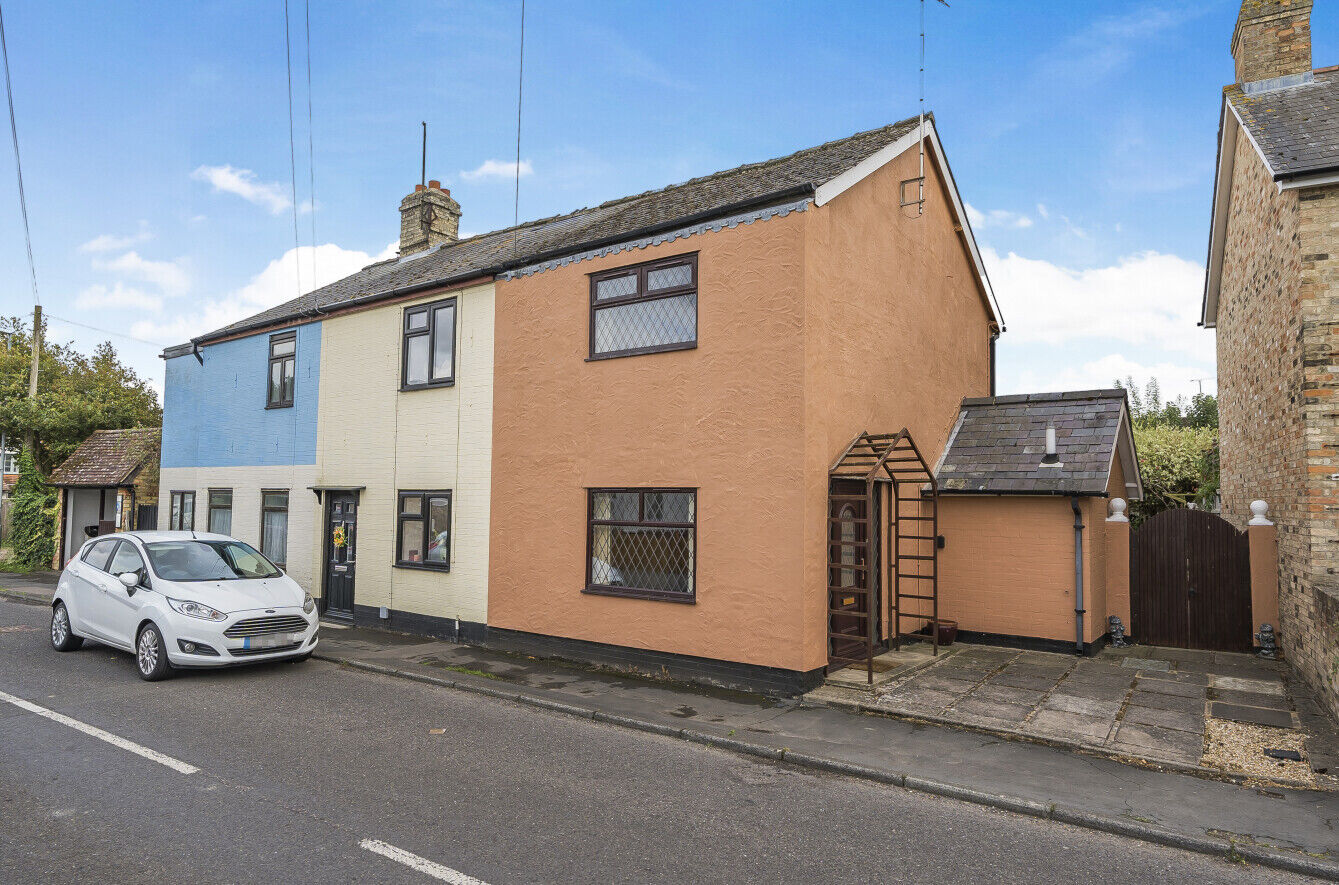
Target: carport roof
[
  {"x": 109, "y": 458},
  {"x": 997, "y": 445}
]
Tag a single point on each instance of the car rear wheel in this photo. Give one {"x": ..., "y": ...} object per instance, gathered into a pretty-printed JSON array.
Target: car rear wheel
[
  {"x": 62, "y": 637},
  {"x": 151, "y": 654}
]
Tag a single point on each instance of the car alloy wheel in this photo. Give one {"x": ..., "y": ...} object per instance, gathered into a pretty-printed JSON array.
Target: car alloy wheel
[
  {"x": 150, "y": 655},
  {"x": 62, "y": 636}
]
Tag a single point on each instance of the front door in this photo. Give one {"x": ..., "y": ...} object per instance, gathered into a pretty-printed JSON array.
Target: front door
[
  {"x": 852, "y": 573},
  {"x": 341, "y": 538}
]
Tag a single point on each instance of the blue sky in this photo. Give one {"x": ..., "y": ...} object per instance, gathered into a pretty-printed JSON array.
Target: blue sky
[{"x": 155, "y": 142}]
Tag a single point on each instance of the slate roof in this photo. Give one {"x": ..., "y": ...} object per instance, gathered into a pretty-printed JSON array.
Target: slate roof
[
  {"x": 998, "y": 443},
  {"x": 109, "y": 458},
  {"x": 755, "y": 185},
  {"x": 1296, "y": 127}
]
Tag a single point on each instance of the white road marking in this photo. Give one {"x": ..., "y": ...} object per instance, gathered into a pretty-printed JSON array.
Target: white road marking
[
  {"x": 421, "y": 864},
  {"x": 114, "y": 740}
]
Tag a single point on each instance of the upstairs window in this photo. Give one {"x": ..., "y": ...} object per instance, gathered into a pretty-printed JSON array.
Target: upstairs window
[
  {"x": 644, "y": 308},
  {"x": 429, "y": 352},
  {"x": 283, "y": 370}
]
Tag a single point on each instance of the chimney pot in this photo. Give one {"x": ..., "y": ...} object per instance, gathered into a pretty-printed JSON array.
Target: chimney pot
[
  {"x": 419, "y": 187},
  {"x": 434, "y": 184}
]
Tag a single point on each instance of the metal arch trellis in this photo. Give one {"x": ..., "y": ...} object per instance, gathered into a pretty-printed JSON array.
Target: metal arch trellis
[{"x": 902, "y": 553}]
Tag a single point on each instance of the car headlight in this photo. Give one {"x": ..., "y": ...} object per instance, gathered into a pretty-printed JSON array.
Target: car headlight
[
  {"x": 308, "y": 604},
  {"x": 196, "y": 610}
]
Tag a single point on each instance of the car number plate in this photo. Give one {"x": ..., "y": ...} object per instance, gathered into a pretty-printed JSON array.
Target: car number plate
[{"x": 271, "y": 641}]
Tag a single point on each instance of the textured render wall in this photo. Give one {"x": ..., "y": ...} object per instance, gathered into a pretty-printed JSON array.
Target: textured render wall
[
  {"x": 214, "y": 415},
  {"x": 896, "y": 336},
  {"x": 246, "y": 484},
  {"x": 372, "y": 434},
  {"x": 1007, "y": 565},
  {"x": 724, "y": 418}
]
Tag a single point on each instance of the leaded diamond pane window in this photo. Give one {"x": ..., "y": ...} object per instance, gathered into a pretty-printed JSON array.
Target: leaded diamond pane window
[
  {"x": 645, "y": 308},
  {"x": 643, "y": 543}
]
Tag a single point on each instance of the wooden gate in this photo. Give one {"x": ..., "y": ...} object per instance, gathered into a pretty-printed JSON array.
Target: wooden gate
[{"x": 1190, "y": 582}]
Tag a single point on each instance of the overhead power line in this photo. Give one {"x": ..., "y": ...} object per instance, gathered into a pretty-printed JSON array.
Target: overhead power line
[
  {"x": 292, "y": 149},
  {"x": 106, "y": 331},
  {"x": 18, "y": 164}
]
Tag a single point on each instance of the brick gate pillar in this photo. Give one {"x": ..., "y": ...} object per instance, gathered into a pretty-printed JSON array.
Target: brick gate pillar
[
  {"x": 1117, "y": 529},
  {"x": 1264, "y": 545}
]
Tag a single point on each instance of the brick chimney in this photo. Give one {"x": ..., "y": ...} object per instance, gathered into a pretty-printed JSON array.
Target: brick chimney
[
  {"x": 428, "y": 216},
  {"x": 1272, "y": 39}
]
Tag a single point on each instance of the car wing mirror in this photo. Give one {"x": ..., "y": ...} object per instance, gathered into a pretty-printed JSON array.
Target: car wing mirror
[{"x": 130, "y": 580}]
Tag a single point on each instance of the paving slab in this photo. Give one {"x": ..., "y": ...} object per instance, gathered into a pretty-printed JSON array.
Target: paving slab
[
  {"x": 1254, "y": 715},
  {"x": 1145, "y": 664},
  {"x": 1170, "y": 687},
  {"x": 1165, "y": 743},
  {"x": 1086, "y": 706},
  {"x": 1200, "y": 679},
  {"x": 1003, "y": 694},
  {"x": 1181, "y": 721},
  {"x": 1166, "y": 701},
  {"x": 991, "y": 709},
  {"x": 1021, "y": 680},
  {"x": 1251, "y": 699},
  {"x": 1261, "y": 686},
  {"x": 1069, "y": 725},
  {"x": 919, "y": 701}
]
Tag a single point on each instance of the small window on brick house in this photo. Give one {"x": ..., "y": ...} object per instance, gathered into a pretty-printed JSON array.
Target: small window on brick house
[{"x": 644, "y": 308}]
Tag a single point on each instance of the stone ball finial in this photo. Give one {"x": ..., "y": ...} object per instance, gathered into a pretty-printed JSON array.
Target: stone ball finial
[
  {"x": 1118, "y": 506},
  {"x": 1258, "y": 510}
]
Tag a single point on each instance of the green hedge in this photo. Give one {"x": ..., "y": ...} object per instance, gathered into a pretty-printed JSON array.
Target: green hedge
[{"x": 33, "y": 516}]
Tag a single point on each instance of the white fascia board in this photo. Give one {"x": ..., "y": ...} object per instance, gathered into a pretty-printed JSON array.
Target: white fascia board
[
  {"x": 827, "y": 191},
  {"x": 1319, "y": 180},
  {"x": 1222, "y": 200},
  {"x": 1129, "y": 458}
]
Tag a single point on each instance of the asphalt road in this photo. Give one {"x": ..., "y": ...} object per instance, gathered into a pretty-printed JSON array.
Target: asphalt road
[{"x": 312, "y": 773}]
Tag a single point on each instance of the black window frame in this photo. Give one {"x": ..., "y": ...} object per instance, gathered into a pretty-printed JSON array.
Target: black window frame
[
  {"x": 655, "y": 595},
  {"x": 210, "y": 507},
  {"x": 642, "y": 295},
  {"x": 179, "y": 496},
  {"x": 401, "y": 515},
  {"x": 281, "y": 402},
  {"x": 286, "y": 510},
  {"x": 430, "y": 332}
]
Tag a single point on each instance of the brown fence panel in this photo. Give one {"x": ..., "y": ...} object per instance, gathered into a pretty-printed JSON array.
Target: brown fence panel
[{"x": 1190, "y": 582}]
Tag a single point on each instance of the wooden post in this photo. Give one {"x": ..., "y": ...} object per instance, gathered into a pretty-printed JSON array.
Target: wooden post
[
  {"x": 1264, "y": 547},
  {"x": 1117, "y": 527}
]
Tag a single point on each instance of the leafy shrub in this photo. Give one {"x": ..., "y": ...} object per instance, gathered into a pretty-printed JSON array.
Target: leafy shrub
[{"x": 33, "y": 516}]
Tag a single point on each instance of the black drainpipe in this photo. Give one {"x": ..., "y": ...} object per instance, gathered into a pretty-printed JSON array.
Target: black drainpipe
[{"x": 1078, "y": 574}]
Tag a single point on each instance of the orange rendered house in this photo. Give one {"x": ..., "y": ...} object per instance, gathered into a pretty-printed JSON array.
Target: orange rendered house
[{"x": 672, "y": 387}]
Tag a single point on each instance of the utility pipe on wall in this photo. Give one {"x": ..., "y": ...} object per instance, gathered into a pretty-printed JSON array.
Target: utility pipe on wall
[{"x": 1078, "y": 574}]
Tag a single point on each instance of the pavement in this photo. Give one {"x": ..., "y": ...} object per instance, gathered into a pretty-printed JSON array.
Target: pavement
[
  {"x": 316, "y": 772},
  {"x": 1171, "y": 707},
  {"x": 1281, "y": 827}
]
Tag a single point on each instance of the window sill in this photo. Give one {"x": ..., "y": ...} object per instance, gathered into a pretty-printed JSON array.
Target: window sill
[
  {"x": 423, "y": 567},
  {"x": 634, "y": 593},
  {"x": 643, "y": 351},
  {"x": 405, "y": 388},
  {"x": 269, "y": 406}
]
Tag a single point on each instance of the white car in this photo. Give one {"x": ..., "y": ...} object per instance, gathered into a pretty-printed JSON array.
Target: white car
[{"x": 181, "y": 599}]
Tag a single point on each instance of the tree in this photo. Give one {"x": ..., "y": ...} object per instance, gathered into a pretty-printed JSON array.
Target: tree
[
  {"x": 76, "y": 395},
  {"x": 32, "y": 516},
  {"x": 1177, "y": 445}
]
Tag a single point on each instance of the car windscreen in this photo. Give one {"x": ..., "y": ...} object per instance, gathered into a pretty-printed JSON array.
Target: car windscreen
[{"x": 208, "y": 561}]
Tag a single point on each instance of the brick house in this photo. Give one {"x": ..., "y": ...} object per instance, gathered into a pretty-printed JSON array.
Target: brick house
[{"x": 1272, "y": 295}]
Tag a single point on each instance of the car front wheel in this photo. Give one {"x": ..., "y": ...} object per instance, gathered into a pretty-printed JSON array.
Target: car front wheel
[
  {"x": 62, "y": 637},
  {"x": 151, "y": 654}
]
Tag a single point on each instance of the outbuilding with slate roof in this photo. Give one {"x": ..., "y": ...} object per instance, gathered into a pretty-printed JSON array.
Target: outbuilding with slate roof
[
  {"x": 108, "y": 484},
  {"x": 1036, "y": 541}
]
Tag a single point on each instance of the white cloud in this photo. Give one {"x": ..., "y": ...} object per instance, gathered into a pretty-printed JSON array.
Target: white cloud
[
  {"x": 1043, "y": 211},
  {"x": 1149, "y": 299},
  {"x": 996, "y": 218},
  {"x": 243, "y": 183},
  {"x": 170, "y": 276},
  {"x": 275, "y": 284},
  {"x": 504, "y": 169},
  {"x": 1174, "y": 378},
  {"x": 99, "y": 296},
  {"x": 113, "y": 243}
]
